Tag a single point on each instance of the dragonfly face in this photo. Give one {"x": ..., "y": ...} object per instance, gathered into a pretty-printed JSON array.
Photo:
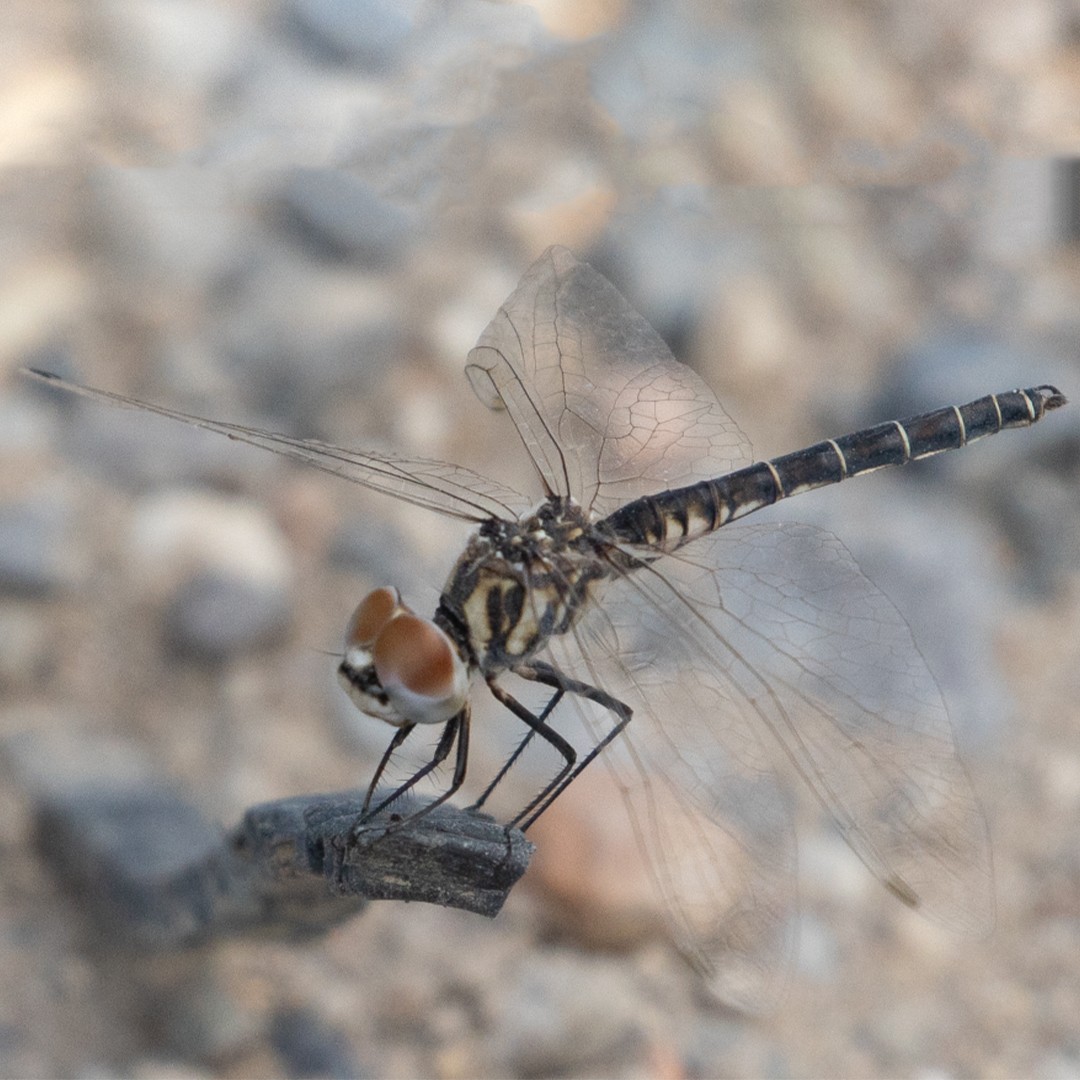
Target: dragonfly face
[
  {"x": 399, "y": 667},
  {"x": 516, "y": 585}
]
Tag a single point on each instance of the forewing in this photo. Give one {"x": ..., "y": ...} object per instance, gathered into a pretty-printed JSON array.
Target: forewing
[
  {"x": 437, "y": 485},
  {"x": 816, "y": 656},
  {"x": 603, "y": 408}
]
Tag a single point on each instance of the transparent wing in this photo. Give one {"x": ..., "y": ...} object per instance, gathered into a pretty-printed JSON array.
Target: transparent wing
[
  {"x": 603, "y": 408},
  {"x": 713, "y": 822},
  {"x": 787, "y": 657},
  {"x": 437, "y": 485},
  {"x": 813, "y": 654}
]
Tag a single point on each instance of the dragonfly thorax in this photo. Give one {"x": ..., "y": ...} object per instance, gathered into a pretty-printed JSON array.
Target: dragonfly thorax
[
  {"x": 518, "y": 583},
  {"x": 400, "y": 667}
]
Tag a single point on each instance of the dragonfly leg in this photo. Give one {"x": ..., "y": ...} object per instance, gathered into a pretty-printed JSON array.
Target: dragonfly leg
[
  {"x": 400, "y": 736},
  {"x": 572, "y": 768},
  {"x": 555, "y": 699},
  {"x": 537, "y": 726},
  {"x": 457, "y": 729}
]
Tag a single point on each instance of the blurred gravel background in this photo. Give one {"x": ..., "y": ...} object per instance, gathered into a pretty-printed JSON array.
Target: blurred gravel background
[{"x": 301, "y": 214}]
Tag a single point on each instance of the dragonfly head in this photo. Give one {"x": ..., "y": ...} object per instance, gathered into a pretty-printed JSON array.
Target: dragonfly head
[{"x": 399, "y": 667}]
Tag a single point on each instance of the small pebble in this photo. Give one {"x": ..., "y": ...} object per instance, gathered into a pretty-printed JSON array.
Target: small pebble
[
  {"x": 33, "y": 538},
  {"x": 339, "y": 217},
  {"x": 213, "y": 617},
  {"x": 369, "y": 35},
  {"x": 311, "y": 1047}
]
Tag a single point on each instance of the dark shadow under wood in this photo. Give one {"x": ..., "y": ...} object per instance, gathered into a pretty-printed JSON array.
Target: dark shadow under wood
[{"x": 151, "y": 873}]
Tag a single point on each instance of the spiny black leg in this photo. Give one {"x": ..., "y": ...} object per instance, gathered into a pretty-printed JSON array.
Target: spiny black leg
[
  {"x": 531, "y": 812},
  {"x": 458, "y": 724},
  {"x": 549, "y": 676},
  {"x": 461, "y": 761},
  {"x": 555, "y": 699},
  {"x": 548, "y": 734},
  {"x": 400, "y": 736}
]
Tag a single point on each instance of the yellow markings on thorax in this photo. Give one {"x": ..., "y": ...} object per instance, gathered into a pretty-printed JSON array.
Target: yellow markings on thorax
[
  {"x": 475, "y": 610},
  {"x": 523, "y": 638}
]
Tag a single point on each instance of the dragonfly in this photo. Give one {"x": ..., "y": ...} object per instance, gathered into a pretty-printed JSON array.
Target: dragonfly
[{"x": 712, "y": 659}]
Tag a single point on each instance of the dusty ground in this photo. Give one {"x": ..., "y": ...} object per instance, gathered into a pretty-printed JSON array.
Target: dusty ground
[{"x": 274, "y": 214}]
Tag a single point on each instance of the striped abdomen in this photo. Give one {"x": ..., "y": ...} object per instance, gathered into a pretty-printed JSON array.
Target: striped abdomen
[{"x": 672, "y": 518}]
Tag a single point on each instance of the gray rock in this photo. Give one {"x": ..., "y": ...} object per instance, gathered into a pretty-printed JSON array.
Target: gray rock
[
  {"x": 383, "y": 553},
  {"x": 213, "y": 617},
  {"x": 565, "y": 1015},
  {"x": 338, "y": 216},
  {"x": 33, "y": 538},
  {"x": 369, "y": 35},
  {"x": 311, "y": 1047}
]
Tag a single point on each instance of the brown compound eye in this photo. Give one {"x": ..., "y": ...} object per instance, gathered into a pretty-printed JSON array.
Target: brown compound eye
[
  {"x": 420, "y": 670},
  {"x": 399, "y": 667},
  {"x": 370, "y": 617},
  {"x": 414, "y": 655}
]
